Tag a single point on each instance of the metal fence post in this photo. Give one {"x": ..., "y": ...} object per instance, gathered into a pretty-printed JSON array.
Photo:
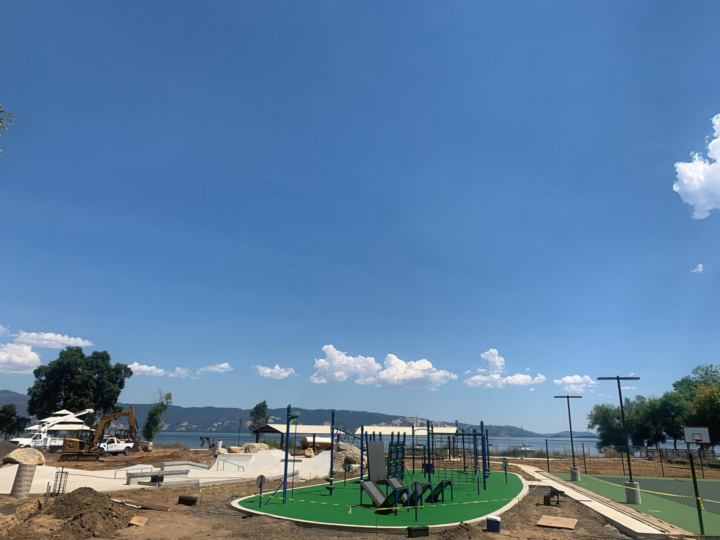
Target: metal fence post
[{"x": 547, "y": 454}]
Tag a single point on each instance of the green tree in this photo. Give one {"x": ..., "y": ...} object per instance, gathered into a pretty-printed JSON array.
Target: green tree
[
  {"x": 258, "y": 415},
  {"x": 6, "y": 119},
  {"x": 75, "y": 381},
  {"x": 707, "y": 409},
  {"x": 11, "y": 422},
  {"x": 605, "y": 419},
  {"x": 153, "y": 422},
  {"x": 674, "y": 410},
  {"x": 645, "y": 426},
  {"x": 704, "y": 374}
]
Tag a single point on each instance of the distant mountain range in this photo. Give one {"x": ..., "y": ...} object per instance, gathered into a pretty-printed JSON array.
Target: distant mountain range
[{"x": 226, "y": 419}]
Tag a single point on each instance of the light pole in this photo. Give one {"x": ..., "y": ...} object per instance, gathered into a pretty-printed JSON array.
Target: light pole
[
  {"x": 633, "y": 494},
  {"x": 572, "y": 445}
]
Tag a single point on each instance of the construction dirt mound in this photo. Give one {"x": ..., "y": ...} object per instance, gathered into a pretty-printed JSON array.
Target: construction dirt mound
[
  {"x": 174, "y": 446},
  {"x": 89, "y": 514}
]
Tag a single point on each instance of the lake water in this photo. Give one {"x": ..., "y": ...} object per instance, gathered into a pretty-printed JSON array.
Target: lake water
[{"x": 503, "y": 445}]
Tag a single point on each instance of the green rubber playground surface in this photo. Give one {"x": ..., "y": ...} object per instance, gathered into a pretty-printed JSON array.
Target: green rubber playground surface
[
  {"x": 672, "y": 500},
  {"x": 343, "y": 507}
]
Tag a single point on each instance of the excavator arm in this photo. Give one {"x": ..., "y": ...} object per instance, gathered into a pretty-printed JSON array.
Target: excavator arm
[{"x": 104, "y": 421}]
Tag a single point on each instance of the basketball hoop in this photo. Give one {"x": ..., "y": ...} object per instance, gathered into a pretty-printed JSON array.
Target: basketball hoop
[{"x": 696, "y": 434}]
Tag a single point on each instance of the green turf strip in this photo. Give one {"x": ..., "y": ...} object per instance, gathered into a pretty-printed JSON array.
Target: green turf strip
[
  {"x": 315, "y": 504},
  {"x": 679, "y": 511}
]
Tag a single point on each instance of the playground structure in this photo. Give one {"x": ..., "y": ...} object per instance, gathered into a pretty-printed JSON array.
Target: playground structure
[{"x": 427, "y": 479}]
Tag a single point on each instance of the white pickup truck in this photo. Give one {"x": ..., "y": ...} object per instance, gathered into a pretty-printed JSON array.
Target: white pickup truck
[
  {"x": 38, "y": 441},
  {"x": 111, "y": 445}
]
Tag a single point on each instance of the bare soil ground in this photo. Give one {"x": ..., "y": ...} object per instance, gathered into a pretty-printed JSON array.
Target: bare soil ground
[
  {"x": 640, "y": 467},
  {"x": 91, "y": 514},
  {"x": 154, "y": 458}
]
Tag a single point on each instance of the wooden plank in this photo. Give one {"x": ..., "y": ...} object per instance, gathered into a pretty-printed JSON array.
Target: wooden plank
[
  {"x": 146, "y": 506},
  {"x": 557, "y": 522},
  {"x": 138, "y": 521}
]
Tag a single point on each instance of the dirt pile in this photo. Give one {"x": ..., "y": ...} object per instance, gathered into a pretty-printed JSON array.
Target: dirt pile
[
  {"x": 174, "y": 446},
  {"x": 89, "y": 514}
]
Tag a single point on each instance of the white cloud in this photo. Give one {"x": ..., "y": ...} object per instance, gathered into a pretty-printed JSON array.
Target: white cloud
[
  {"x": 496, "y": 367},
  {"x": 217, "y": 368},
  {"x": 50, "y": 340},
  {"x": 697, "y": 270},
  {"x": 532, "y": 389},
  {"x": 527, "y": 369},
  {"x": 495, "y": 361},
  {"x": 468, "y": 372},
  {"x": 698, "y": 182},
  {"x": 180, "y": 372},
  {"x": 274, "y": 373},
  {"x": 577, "y": 384},
  {"x": 4, "y": 330},
  {"x": 337, "y": 366},
  {"x": 18, "y": 359},
  {"x": 495, "y": 380},
  {"x": 152, "y": 371},
  {"x": 628, "y": 388},
  {"x": 421, "y": 373}
]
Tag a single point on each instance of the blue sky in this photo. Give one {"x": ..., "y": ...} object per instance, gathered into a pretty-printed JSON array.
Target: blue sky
[{"x": 318, "y": 186}]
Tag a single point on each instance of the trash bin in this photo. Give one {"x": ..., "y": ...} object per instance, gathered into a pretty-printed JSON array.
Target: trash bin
[{"x": 493, "y": 524}]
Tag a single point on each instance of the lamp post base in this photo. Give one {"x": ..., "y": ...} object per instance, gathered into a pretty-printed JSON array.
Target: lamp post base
[{"x": 632, "y": 492}]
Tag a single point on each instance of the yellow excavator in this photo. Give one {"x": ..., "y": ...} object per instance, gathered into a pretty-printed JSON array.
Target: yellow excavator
[{"x": 121, "y": 442}]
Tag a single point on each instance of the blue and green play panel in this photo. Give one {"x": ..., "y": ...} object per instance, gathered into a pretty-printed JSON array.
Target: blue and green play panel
[
  {"x": 668, "y": 499},
  {"x": 315, "y": 505}
]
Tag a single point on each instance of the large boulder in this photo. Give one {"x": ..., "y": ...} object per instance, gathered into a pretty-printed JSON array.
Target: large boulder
[
  {"x": 345, "y": 453},
  {"x": 236, "y": 450},
  {"x": 28, "y": 456},
  {"x": 309, "y": 453},
  {"x": 254, "y": 448},
  {"x": 220, "y": 451}
]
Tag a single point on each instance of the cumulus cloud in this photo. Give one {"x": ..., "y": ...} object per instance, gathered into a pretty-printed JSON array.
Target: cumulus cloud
[
  {"x": 628, "y": 388},
  {"x": 4, "y": 330},
  {"x": 18, "y": 359},
  {"x": 337, "y": 366},
  {"x": 152, "y": 371},
  {"x": 420, "y": 373},
  {"x": 496, "y": 380},
  {"x": 180, "y": 372},
  {"x": 698, "y": 181},
  {"x": 217, "y": 368},
  {"x": 274, "y": 373},
  {"x": 697, "y": 270},
  {"x": 496, "y": 363},
  {"x": 50, "y": 340},
  {"x": 576, "y": 384},
  {"x": 495, "y": 369},
  {"x": 532, "y": 389}
]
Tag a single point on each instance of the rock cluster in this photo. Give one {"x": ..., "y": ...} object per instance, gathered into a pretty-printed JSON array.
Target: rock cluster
[
  {"x": 29, "y": 456},
  {"x": 254, "y": 448}
]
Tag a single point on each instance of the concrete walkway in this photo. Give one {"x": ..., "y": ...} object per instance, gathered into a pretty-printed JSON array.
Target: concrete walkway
[
  {"x": 625, "y": 519},
  {"x": 267, "y": 462}
]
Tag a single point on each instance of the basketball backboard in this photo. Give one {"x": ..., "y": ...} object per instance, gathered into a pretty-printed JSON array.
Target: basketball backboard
[{"x": 696, "y": 434}]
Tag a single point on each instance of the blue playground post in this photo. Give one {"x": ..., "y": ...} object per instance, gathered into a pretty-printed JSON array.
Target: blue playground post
[
  {"x": 430, "y": 461},
  {"x": 484, "y": 467},
  {"x": 487, "y": 449},
  {"x": 287, "y": 447},
  {"x": 362, "y": 449},
  {"x": 332, "y": 445},
  {"x": 413, "y": 451}
]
